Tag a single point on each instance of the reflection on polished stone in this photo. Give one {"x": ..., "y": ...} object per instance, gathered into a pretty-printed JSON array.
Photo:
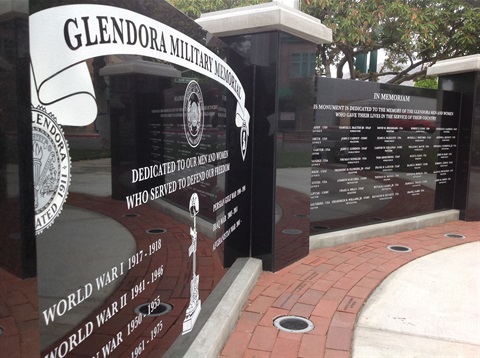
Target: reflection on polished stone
[{"x": 164, "y": 273}]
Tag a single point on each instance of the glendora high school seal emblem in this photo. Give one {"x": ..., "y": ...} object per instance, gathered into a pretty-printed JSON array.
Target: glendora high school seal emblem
[
  {"x": 193, "y": 113},
  {"x": 51, "y": 168}
]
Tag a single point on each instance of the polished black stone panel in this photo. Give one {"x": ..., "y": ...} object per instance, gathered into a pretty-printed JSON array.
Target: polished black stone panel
[
  {"x": 296, "y": 94},
  {"x": 467, "y": 185},
  {"x": 283, "y": 71},
  {"x": 261, "y": 55},
  {"x": 166, "y": 209},
  {"x": 381, "y": 152},
  {"x": 17, "y": 232}
]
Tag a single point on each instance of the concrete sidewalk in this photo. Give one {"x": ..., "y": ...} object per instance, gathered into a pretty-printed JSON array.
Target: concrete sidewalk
[{"x": 427, "y": 308}]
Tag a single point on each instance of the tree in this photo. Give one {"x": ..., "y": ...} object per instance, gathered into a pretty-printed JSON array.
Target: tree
[
  {"x": 414, "y": 34},
  {"x": 195, "y": 8}
]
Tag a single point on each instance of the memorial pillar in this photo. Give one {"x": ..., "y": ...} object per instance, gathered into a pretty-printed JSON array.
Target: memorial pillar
[
  {"x": 17, "y": 207},
  {"x": 463, "y": 75},
  {"x": 279, "y": 44}
]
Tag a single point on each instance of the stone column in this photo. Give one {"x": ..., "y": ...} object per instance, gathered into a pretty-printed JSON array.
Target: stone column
[
  {"x": 279, "y": 44},
  {"x": 463, "y": 75}
]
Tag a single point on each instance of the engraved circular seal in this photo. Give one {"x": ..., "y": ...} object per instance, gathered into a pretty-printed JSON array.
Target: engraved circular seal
[
  {"x": 193, "y": 113},
  {"x": 51, "y": 168}
]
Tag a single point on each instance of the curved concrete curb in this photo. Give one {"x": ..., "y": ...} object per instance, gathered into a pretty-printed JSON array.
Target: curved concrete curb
[
  {"x": 219, "y": 312},
  {"x": 381, "y": 229}
]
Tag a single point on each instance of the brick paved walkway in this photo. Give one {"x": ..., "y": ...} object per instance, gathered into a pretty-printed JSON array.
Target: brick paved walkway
[
  {"x": 329, "y": 287},
  {"x": 18, "y": 317}
]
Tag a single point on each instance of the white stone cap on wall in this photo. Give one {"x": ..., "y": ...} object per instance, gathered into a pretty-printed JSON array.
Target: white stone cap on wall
[
  {"x": 271, "y": 16},
  {"x": 455, "y": 65}
]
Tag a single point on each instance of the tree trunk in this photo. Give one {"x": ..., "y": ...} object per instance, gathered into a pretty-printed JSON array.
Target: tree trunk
[
  {"x": 323, "y": 57},
  {"x": 351, "y": 63},
  {"x": 340, "y": 65}
]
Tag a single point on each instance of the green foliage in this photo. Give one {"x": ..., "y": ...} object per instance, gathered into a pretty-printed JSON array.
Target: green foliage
[
  {"x": 414, "y": 34},
  {"x": 427, "y": 82},
  {"x": 195, "y": 8}
]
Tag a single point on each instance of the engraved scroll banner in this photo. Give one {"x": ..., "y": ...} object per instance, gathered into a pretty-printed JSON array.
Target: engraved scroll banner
[{"x": 61, "y": 79}]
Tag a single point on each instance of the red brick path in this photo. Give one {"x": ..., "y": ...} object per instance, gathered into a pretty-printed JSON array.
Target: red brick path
[{"x": 329, "y": 287}]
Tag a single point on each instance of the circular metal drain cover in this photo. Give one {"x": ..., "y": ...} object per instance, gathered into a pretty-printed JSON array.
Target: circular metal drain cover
[
  {"x": 156, "y": 231},
  {"x": 399, "y": 248},
  {"x": 292, "y": 231},
  {"x": 293, "y": 324},
  {"x": 320, "y": 227},
  {"x": 455, "y": 236},
  {"x": 161, "y": 309},
  {"x": 132, "y": 215}
]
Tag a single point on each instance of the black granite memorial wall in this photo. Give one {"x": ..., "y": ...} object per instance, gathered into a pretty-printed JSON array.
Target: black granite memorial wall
[
  {"x": 130, "y": 245},
  {"x": 381, "y": 152},
  {"x": 110, "y": 247}
]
